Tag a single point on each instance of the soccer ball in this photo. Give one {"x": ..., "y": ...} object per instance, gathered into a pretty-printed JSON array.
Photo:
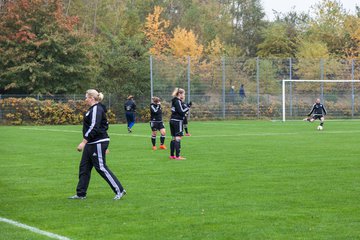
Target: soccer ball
[{"x": 319, "y": 128}]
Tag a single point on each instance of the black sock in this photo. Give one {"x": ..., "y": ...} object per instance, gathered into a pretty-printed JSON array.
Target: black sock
[
  {"x": 186, "y": 130},
  {"x": 162, "y": 139},
  {"x": 177, "y": 148},
  {"x": 172, "y": 147},
  {"x": 153, "y": 140}
]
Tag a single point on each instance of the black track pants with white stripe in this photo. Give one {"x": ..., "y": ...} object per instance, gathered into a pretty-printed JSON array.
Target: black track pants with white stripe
[{"x": 94, "y": 156}]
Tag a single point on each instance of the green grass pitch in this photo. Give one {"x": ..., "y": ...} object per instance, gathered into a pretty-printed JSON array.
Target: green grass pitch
[{"x": 241, "y": 180}]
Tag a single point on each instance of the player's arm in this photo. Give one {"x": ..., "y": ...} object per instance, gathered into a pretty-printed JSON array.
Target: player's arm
[
  {"x": 181, "y": 108},
  {"x": 154, "y": 109},
  {"x": 312, "y": 110},
  {"x": 324, "y": 110},
  {"x": 81, "y": 146}
]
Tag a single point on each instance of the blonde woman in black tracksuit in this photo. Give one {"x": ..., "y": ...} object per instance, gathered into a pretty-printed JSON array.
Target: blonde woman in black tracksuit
[
  {"x": 94, "y": 147},
  {"x": 178, "y": 111}
]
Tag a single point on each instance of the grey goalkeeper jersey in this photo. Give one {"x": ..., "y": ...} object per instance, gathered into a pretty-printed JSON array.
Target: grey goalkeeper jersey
[{"x": 318, "y": 109}]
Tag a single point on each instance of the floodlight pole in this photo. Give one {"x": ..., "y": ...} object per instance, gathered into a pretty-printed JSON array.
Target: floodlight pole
[
  {"x": 290, "y": 87},
  {"x": 352, "y": 89},
  {"x": 322, "y": 78},
  {"x": 223, "y": 86},
  {"x": 151, "y": 78},
  {"x": 188, "y": 83},
  {"x": 258, "y": 85}
]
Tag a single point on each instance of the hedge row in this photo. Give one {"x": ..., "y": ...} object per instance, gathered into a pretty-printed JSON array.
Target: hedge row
[{"x": 18, "y": 111}]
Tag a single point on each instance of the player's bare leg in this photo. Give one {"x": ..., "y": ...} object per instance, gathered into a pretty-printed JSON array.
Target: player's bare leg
[
  {"x": 322, "y": 121},
  {"x": 162, "y": 138}
]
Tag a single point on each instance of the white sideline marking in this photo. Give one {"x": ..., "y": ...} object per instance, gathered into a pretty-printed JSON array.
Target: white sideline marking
[
  {"x": 146, "y": 136},
  {"x": 202, "y": 136},
  {"x": 50, "y": 130},
  {"x": 33, "y": 229}
]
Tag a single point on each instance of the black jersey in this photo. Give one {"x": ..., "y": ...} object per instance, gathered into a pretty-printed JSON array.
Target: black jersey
[
  {"x": 156, "y": 112},
  {"x": 318, "y": 109},
  {"x": 178, "y": 109},
  {"x": 95, "y": 124},
  {"x": 130, "y": 106}
]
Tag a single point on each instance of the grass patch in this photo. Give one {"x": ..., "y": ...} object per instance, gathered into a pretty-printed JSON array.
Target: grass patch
[{"x": 241, "y": 180}]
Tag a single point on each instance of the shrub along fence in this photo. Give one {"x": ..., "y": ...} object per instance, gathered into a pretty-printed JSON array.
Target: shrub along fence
[{"x": 59, "y": 110}]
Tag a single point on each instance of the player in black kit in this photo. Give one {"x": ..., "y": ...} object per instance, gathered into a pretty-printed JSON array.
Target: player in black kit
[
  {"x": 95, "y": 147},
  {"x": 318, "y": 110},
  {"x": 186, "y": 125},
  {"x": 178, "y": 111},
  {"x": 156, "y": 123}
]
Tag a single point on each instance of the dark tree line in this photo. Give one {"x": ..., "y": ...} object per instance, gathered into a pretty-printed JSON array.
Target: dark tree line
[{"x": 67, "y": 46}]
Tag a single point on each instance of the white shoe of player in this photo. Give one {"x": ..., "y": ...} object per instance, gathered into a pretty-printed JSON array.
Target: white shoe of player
[
  {"x": 77, "y": 197},
  {"x": 120, "y": 195}
]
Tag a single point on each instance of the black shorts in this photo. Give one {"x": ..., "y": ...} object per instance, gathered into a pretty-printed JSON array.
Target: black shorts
[
  {"x": 156, "y": 126},
  {"x": 317, "y": 117},
  {"x": 176, "y": 128}
]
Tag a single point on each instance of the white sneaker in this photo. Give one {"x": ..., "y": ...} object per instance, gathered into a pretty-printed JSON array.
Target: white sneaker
[
  {"x": 76, "y": 197},
  {"x": 120, "y": 195}
]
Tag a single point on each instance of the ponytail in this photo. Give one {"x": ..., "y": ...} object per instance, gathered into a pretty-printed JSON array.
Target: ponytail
[
  {"x": 98, "y": 96},
  {"x": 177, "y": 91}
]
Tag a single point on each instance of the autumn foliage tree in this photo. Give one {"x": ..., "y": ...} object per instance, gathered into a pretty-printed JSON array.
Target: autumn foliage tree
[
  {"x": 155, "y": 31},
  {"x": 328, "y": 25},
  {"x": 352, "y": 37},
  {"x": 185, "y": 43},
  {"x": 40, "y": 49}
]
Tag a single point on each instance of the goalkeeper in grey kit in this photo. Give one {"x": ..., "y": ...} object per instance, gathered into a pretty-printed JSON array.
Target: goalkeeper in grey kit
[{"x": 318, "y": 111}]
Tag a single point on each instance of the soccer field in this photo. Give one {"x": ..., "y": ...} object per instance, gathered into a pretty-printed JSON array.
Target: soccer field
[{"x": 241, "y": 180}]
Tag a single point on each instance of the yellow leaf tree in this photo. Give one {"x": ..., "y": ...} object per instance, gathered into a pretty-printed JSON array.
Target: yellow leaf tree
[
  {"x": 352, "y": 44},
  {"x": 214, "y": 52},
  {"x": 215, "y": 48},
  {"x": 310, "y": 54},
  {"x": 185, "y": 43},
  {"x": 155, "y": 31}
]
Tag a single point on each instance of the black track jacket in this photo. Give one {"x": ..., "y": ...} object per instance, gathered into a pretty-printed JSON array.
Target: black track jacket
[{"x": 95, "y": 124}]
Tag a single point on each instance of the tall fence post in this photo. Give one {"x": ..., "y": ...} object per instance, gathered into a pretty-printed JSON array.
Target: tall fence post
[
  {"x": 322, "y": 78},
  {"x": 223, "y": 87},
  {"x": 258, "y": 86},
  {"x": 151, "y": 78},
  {"x": 290, "y": 87},
  {"x": 352, "y": 88},
  {"x": 1, "y": 118},
  {"x": 188, "y": 83}
]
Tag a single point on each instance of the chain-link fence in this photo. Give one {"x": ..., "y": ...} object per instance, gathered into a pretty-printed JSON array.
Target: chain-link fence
[{"x": 213, "y": 85}]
